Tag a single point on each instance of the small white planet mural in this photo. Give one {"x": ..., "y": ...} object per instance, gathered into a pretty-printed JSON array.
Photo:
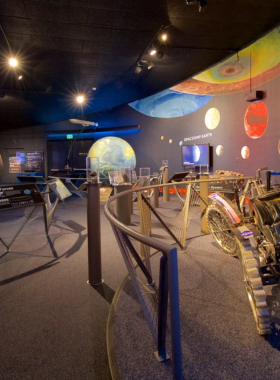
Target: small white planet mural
[
  {"x": 219, "y": 150},
  {"x": 212, "y": 118},
  {"x": 245, "y": 152}
]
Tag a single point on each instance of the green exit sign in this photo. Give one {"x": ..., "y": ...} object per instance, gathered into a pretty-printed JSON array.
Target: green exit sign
[{"x": 69, "y": 136}]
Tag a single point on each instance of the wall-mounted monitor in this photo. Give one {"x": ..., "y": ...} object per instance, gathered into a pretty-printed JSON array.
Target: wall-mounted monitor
[{"x": 196, "y": 154}]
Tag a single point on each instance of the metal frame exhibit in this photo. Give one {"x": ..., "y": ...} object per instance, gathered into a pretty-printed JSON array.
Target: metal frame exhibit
[{"x": 11, "y": 229}]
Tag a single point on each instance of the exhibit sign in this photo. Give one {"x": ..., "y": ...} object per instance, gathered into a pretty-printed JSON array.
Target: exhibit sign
[
  {"x": 20, "y": 195},
  {"x": 34, "y": 160},
  {"x": 58, "y": 187},
  {"x": 14, "y": 165},
  {"x": 198, "y": 137}
]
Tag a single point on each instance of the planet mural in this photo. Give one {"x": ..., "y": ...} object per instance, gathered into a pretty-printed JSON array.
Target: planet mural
[
  {"x": 112, "y": 152},
  {"x": 245, "y": 152},
  {"x": 169, "y": 104},
  {"x": 212, "y": 118},
  {"x": 170, "y": 141},
  {"x": 181, "y": 143},
  {"x": 219, "y": 150},
  {"x": 255, "y": 120},
  {"x": 255, "y": 65}
]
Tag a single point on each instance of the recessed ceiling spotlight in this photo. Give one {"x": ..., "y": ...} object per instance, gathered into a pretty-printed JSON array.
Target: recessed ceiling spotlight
[
  {"x": 163, "y": 36},
  {"x": 80, "y": 99},
  {"x": 20, "y": 77},
  {"x": 13, "y": 62},
  {"x": 93, "y": 88},
  {"x": 152, "y": 51}
]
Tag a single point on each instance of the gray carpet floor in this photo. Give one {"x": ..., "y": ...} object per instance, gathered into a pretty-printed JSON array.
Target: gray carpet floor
[
  {"x": 52, "y": 323},
  {"x": 219, "y": 337}
]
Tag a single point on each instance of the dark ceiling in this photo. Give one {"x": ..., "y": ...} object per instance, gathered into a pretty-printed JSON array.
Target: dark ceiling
[{"x": 70, "y": 46}]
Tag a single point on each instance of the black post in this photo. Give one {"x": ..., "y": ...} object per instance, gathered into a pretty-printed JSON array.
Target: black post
[
  {"x": 94, "y": 237},
  {"x": 268, "y": 180},
  {"x": 162, "y": 309}
]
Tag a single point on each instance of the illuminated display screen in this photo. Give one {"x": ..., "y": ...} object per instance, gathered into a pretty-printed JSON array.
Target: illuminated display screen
[{"x": 195, "y": 154}]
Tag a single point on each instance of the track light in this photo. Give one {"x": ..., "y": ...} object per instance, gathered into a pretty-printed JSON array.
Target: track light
[
  {"x": 13, "y": 62},
  {"x": 150, "y": 65},
  {"x": 202, "y": 4},
  {"x": 160, "y": 54},
  {"x": 20, "y": 77}
]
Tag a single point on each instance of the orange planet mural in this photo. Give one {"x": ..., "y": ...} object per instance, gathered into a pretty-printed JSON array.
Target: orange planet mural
[{"x": 255, "y": 120}]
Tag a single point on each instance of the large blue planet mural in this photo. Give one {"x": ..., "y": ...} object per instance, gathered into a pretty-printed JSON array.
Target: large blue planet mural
[{"x": 170, "y": 103}]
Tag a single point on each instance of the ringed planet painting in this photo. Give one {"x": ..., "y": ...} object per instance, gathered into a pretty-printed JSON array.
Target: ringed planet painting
[{"x": 255, "y": 120}]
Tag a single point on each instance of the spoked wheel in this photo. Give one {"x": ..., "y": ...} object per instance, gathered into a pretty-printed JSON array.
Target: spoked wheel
[
  {"x": 220, "y": 225},
  {"x": 255, "y": 291}
]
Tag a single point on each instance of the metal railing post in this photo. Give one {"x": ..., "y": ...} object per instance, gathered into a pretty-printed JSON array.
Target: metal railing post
[
  {"x": 175, "y": 314},
  {"x": 123, "y": 204},
  {"x": 156, "y": 192},
  {"x": 164, "y": 181},
  {"x": 204, "y": 192},
  {"x": 162, "y": 310},
  {"x": 94, "y": 236}
]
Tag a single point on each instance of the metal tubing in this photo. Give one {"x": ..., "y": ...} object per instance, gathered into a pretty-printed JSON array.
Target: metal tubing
[
  {"x": 204, "y": 192},
  {"x": 156, "y": 192},
  {"x": 123, "y": 204},
  {"x": 165, "y": 188},
  {"x": 162, "y": 307},
  {"x": 94, "y": 237},
  {"x": 175, "y": 314}
]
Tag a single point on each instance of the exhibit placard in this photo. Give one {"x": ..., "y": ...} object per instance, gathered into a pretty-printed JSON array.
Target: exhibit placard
[
  {"x": 58, "y": 187},
  {"x": 20, "y": 195},
  {"x": 34, "y": 160},
  {"x": 14, "y": 165}
]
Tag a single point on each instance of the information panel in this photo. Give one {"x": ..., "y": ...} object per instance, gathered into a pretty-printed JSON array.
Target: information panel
[
  {"x": 58, "y": 187},
  {"x": 34, "y": 160},
  {"x": 20, "y": 195}
]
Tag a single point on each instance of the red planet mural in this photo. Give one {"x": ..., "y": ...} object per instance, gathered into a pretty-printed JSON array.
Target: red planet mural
[{"x": 255, "y": 120}]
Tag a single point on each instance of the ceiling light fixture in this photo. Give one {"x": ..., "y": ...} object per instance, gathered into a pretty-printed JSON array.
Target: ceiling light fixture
[
  {"x": 201, "y": 6},
  {"x": 80, "y": 99},
  {"x": 163, "y": 36},
  {"x": 152, "y": 51},
  {"x": 150, "y": 65},
  {"x": 20, "y": 77},
  {"x": 160, "y": 54},
  {"x": 13, "y": 62}
]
